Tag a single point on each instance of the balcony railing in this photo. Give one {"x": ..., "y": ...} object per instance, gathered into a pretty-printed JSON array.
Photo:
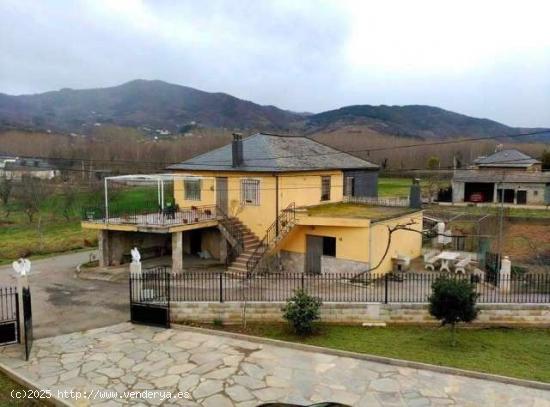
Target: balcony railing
[{"x": 148, "y": 215}]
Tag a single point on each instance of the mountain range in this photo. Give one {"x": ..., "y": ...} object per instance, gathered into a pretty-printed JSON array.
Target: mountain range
[{"x": 160, "y": 105}]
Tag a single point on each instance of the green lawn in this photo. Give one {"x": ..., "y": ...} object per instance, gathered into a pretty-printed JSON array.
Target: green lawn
[
  {"x": 522, "y": 353},
  {"x": 6, "y": 399},
  {"x": 394, "y": 187},
  {"x": 361, "y": 211}
]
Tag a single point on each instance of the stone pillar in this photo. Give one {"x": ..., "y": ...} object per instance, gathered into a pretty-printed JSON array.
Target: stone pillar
[
  {"x": 104, "y": 254},
  {"x": 495, "y": 193},
  {"x": 136, "y": 281},
  {"x": 177, "y": 252},
  {"x": 224, "y": 249},
  {"x": 505, "y": 274}
]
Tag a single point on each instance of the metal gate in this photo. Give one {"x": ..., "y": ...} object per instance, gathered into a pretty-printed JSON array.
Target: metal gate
[
  {"x": 150, "y": 297},
  {"x": 9, "y": 316},
  {"x": 27, "y": 321}
]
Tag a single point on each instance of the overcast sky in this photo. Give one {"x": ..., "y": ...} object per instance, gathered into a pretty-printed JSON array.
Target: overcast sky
[{"x": 482, "y": 58}]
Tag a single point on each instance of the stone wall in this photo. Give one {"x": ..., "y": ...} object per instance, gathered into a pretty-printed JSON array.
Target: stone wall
[
  {"x": 295, "y": 263},
  {"x": 357, "y": 313}
]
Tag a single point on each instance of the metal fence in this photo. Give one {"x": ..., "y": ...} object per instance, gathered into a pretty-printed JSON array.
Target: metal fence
[
  {"x": 151, "y": 216},
  {"x": 401, "y": 202},
  {"x": 382, "y": 288}
]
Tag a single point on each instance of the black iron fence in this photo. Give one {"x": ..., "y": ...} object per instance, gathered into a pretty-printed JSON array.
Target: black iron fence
[
  {"x": 382, "y": 288},
  {"x": 9, "y": 316}
]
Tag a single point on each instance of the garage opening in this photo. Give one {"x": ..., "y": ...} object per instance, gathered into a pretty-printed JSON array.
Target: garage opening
[{"x": 479, "y": 191}]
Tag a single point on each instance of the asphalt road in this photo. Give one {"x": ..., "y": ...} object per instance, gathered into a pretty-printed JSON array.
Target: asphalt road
[{"x": 63, "y": 303}]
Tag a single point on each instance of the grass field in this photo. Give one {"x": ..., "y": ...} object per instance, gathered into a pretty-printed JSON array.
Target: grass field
[
  {"x": 522, "y": 353},
  {"x": 495, "y": 210},
  {"x": 6, "y": 399},
  {"x": 51, "y": 232},
  {"x": 394, "y": 187}
]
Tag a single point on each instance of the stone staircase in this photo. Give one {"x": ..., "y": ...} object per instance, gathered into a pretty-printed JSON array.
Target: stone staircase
[{"x": 250, "y": 244}]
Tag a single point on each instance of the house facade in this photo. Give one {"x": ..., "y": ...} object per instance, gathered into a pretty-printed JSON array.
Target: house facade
[
  {"x": 272, "y": 203},
  {"x": 508, "y": 176}
]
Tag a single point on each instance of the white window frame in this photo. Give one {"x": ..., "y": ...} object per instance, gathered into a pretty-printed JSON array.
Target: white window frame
[
  {"x": 250, "y": 196},
  {"x": 189, "y": 193}
]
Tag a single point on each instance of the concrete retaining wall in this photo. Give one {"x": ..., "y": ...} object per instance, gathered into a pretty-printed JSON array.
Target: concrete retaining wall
[{"x": 356, "y": 313}]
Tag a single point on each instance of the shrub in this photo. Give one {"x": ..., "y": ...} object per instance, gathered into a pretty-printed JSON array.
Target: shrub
[
  {"x": 301, "y": 311},
  {"x": 452, "y": 301}
]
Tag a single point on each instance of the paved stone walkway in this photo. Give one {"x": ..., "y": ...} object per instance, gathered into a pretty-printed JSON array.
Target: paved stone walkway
[{"x": 218, "y": 371}]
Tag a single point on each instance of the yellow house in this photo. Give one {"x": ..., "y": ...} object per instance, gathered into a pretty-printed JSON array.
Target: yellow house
[{"x": 273, "y": 203}]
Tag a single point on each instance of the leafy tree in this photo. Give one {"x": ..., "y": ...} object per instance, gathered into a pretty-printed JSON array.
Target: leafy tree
[
  {"x": 301, "y": 311},
  {"x": 545, "y": 159},
  {"x": 452, "y": 301}
]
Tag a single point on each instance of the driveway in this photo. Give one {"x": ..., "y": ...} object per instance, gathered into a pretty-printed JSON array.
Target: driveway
[
  {"x": 63, "y": 303},
  {"x": 215, "y": 371}
]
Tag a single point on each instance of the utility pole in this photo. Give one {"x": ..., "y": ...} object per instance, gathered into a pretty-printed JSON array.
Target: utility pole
[{"x": 501, "y": 218}]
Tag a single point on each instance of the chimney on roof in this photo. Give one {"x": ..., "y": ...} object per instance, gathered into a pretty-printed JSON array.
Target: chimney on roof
[{"x": 237, "y": 149}]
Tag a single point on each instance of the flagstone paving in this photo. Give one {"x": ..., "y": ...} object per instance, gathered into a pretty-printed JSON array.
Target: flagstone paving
[{"x": 212, "y": 370}]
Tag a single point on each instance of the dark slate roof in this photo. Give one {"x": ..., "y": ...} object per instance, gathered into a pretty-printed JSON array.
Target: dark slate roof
[
  {"x": 498, "y": 176},
  {"x": 268, "y": 153},
  {"x": 506, "y": 158}
]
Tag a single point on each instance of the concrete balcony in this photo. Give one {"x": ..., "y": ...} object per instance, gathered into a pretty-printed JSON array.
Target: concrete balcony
[{"x": 167, "y": 220}]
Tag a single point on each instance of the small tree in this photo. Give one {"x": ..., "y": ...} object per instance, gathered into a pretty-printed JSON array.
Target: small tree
[
  {"x": 433, "y": 162},
  {"x": 31, "y": 195},
  {"x": 301, "y": 311},
  {"x": 69, "y": 198},
  {"x": 452, "y": 301},
  {"x": 6, "y": 186}
]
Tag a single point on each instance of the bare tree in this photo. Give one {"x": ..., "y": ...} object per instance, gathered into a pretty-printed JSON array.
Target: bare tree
[
  {"x": 31, "y": 195},
  {"x": 69, "y": 198}
]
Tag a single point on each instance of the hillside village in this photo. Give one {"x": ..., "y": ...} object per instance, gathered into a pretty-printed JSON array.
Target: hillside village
[{"x": 323, "y": 204}]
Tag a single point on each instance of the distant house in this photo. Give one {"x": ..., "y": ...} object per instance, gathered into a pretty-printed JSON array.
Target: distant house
[
  {"x": 17, "y": 168},
  {"x": 265, "y": 203},
  {"x": 508, "y": 175}
]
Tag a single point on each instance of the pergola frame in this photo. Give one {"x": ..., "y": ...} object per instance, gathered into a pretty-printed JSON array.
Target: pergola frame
[{"x": 159, "y": 179}]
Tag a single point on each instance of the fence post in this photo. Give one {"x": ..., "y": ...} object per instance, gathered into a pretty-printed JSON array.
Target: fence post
[
  {"x": 221, "y": 287},
  {"x": 302, "y": 283},
  {"x": 386, "y": 288}
]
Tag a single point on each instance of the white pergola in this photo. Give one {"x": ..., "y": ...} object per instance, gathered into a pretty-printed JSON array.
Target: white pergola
[{"x": 150, "y": 179}]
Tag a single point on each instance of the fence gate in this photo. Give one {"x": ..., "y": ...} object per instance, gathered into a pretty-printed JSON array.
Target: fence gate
[
  {"x": 9, "y": 316},
  {"x": 150, "y": 297},
  {"x": 27, "y": 321}
]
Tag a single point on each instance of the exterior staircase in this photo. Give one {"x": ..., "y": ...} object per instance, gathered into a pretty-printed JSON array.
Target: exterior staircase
[
  {"x": 250, "y": 243},
  {"x": 260, "y": 260}
]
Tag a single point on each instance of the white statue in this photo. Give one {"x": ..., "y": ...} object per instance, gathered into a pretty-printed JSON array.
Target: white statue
[
  {"x": 22, "y": 267},
  {"x": 136, "y": 257}
]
